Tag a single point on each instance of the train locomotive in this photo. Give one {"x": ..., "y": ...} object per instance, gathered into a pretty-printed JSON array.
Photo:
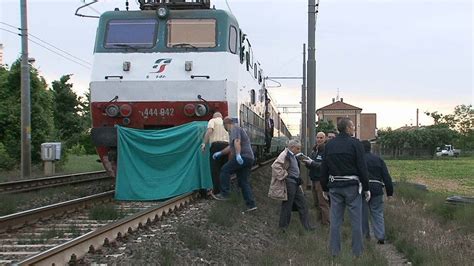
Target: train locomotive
[{"x": 171, "y": 63}]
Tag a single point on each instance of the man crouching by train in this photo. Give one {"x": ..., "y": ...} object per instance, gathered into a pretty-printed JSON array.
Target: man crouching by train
[
  {"x": 240, "y": 163},
  {"x": 286, "y": 173}
]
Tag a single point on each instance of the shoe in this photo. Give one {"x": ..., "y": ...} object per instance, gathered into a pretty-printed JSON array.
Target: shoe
[
  {"x": 251, "y": 209},
  {"x": 220, "y": 197},
  {"x": 380, "y": 242}
]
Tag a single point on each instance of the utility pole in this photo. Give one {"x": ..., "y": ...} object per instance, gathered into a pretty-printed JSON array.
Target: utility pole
[
  {"x": 311, "y": 110},
  {"x": 304, "y": 139},
  {"x": 25, "y": 96}
]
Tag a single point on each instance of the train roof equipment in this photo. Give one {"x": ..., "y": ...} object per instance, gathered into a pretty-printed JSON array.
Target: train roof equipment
[{"x": 174, "y": 4}]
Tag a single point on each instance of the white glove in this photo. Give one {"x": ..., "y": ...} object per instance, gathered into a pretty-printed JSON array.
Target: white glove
[
  {"x": 325, "y": 196},
  {"x": 307, "y": 161},
  {"x": 367, "y": 195}
]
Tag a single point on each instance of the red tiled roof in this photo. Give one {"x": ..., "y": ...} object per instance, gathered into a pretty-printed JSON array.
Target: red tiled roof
[{"x": 339, "y": 106}]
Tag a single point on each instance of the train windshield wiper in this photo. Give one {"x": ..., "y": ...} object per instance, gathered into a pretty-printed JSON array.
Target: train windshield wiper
[
  {"x": 185, "y": 45},
  {"x": 124, "y": 45}
]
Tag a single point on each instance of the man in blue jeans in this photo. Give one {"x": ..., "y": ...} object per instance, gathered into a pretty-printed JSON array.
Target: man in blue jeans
[
  {"x": 378, "y": 179},
  {"x": 240, "y": 163},
  {"x": 344, "y": 174}
]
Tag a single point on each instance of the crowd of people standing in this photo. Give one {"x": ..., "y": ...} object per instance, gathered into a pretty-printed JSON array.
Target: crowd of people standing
[{"x": 342, "y": 169}]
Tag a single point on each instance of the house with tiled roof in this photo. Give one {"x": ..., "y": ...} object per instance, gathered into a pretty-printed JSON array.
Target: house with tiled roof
[{"x": 365, "y": 123}]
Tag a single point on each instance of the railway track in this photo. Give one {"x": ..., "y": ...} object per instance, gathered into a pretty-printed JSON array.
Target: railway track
[
  {"x": 53, "y": 181},
  {"x": 47, "y": 239}
]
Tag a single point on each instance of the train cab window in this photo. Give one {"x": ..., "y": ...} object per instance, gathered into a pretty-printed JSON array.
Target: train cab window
[
  {"x": 252, "y": 96},
  {"x": 191, "y": 33},
  {"x": 136, "y": 33},
  {"x": 233, "y": 39}
]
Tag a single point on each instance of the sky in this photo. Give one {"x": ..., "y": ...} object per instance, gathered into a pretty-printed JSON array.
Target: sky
[{"x": 388, "y": 57}]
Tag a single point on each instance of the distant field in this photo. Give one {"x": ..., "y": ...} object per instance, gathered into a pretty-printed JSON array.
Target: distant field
[{"x": 442, "y": 175}]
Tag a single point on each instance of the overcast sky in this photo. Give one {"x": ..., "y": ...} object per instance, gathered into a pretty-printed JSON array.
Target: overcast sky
[{"x": 386, "y": 56}]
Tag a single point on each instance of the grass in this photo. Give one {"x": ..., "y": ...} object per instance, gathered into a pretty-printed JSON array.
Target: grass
[
  {"x": 167, "y": 257},
  {"x": 192, "y": 238},
  {"x": 74, "y": 164},
  {"x": 105, "y": 212},
  {"x": 294, "y": 247},
  {"x": 453, "y": 175}
]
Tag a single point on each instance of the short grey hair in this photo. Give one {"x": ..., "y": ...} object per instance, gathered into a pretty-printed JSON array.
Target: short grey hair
[{"x": 294, "y": 143}]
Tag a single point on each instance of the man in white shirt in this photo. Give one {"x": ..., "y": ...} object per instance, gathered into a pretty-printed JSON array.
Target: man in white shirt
[{"x": 218, "y": 139}]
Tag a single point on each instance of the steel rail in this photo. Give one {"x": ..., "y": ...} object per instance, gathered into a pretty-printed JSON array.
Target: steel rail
[
  {"x": 53, "y": 181},
  {"x": 68, "y": 252},
  {"x": 20, "y": 219}
]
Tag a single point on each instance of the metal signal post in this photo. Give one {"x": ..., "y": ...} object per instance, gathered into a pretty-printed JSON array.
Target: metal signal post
[
  {"x": 311, "y": 92},
  {"x": 25, "y": 96}
]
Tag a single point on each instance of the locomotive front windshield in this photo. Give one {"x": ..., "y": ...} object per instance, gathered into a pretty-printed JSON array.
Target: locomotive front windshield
[
  {"x": 138, "y": 33},
  {"x": 197, "y": 33}
]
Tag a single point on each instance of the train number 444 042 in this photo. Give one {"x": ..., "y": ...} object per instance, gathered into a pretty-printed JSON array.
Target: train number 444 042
[{"x": 158, "y": 112}]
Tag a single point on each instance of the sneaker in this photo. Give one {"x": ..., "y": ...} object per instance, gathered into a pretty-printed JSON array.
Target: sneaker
[
  {"x": 251, "y": 209},
  {"x": 380, "y": 242},
  {"x": 220, "y": 197}
]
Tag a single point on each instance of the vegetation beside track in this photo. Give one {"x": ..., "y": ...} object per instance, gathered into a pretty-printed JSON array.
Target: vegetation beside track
[
  {"x": 420, "y": 224},
  {"x": 74, "y": 164}
]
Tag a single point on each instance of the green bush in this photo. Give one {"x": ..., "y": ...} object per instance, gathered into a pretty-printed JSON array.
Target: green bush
[
  {"x": 6, "y": 162},
  {"x": 77, "y": 149}
]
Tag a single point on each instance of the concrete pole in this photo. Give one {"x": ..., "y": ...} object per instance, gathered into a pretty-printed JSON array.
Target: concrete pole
[
  {"x": 311, "y": 111},
  {"x": 304, "y": 127},
  {"x": 25, "y": 97}
]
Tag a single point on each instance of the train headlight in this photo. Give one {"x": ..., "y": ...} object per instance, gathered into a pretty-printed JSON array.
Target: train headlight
[
  {"x": 125, "y": 110},
  {"x": 201, "y": 110},
  {"x": 112, "y": 110},
  {"x": 189, "y": 109},
  {"x": 162, "y": 12}
]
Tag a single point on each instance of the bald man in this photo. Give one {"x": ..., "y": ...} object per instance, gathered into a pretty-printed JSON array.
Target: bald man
[
  {"x": 218, "y": 138},
  {"x": 314, "y": 165}
]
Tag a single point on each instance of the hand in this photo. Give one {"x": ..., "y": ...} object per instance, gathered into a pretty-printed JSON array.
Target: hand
[
  {"x": 325, "y": 196},
  {"x": 367, "y": 195},
  {"x": 203, "y": 147},
  {"x": 216, "y": 155},
  {"x": 307, "y": 161},
  {"x": 239, "y": 159}
]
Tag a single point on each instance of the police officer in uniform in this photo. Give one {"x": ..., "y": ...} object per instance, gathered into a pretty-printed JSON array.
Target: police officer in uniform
[{"x": 344, "y": 175}]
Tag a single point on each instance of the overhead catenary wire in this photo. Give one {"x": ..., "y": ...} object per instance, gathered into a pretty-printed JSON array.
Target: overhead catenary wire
[
  {"x": 45, "y": 42},
  {"x": 47, "y": 48}
]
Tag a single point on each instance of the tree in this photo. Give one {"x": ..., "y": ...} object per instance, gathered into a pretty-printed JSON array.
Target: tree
[
  {"x": 462, "y": 120},
  {"x": 325, "y": 126},
  {"x": 42, "y": 128},
  {"x": 67, "y": 118}
]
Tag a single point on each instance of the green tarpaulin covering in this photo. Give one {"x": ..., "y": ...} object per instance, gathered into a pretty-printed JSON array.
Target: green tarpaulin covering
[{"x": 158, "y": 164}]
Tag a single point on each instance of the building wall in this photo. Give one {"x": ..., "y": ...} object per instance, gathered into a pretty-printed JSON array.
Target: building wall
[
  {"x": 335, "y": 115},
  {"x": 368, "y": 126}
]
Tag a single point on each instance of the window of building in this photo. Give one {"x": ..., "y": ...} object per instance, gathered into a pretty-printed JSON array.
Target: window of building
[
  {"x": 252, "y": 96},
  {"x": 197, "y": 33}
]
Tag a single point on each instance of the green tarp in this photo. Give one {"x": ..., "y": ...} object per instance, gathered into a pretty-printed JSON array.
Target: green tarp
[{"x": 159, "y": 164}]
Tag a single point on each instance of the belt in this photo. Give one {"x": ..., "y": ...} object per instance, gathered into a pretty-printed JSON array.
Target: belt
[
  {"x": 220, "y": 142},
  {"x": 343, "y": 178},
  {"x": 377, "y": 181}
]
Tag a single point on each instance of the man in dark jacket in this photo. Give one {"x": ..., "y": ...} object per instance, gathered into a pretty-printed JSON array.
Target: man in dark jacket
[
  {"x": 314, "y": 166},
  {"x": 344, "y": 174},
  {"x": 378, "y": 179}
]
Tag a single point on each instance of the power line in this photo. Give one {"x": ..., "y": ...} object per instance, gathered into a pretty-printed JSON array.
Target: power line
[
  {"x": 10, "y": 31},
  {"x": 84, "y": 64},
  {"x": 60, "y": 49},
  {"x": 37, "y": 43}
]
